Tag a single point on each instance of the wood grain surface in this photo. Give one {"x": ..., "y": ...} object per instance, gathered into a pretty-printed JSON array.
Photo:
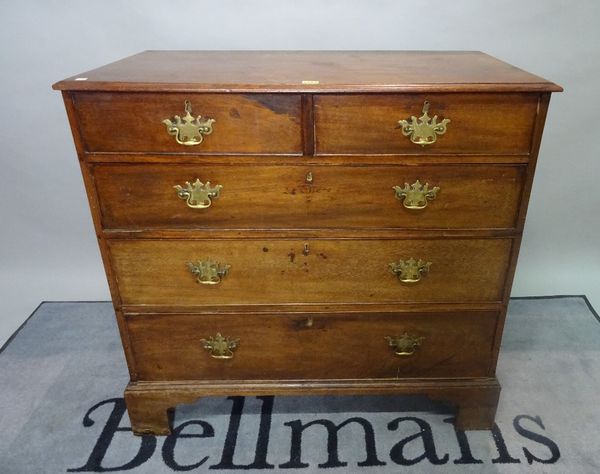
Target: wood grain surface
[
  {"x": 259, "y": 123},
  {"x": 351, "y": 71},
  {"x": 307, "y": 346},
  {"x": 150, "y": 403},
  {"x": 479, "y": 123},
  {"x": 139, "y": 197},
  {"x": 334, "y": 271}
]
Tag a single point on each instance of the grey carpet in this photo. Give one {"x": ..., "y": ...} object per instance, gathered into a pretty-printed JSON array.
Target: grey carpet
[{"x": 62, "y": 376}]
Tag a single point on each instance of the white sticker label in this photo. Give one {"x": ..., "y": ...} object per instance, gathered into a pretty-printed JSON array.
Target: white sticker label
[
  {"x": 310, "y": 83},
  {"x": 81, "y": 78}
]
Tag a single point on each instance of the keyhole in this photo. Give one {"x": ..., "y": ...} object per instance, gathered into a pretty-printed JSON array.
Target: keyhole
[
  {"x": 309, "y": 177},
  {"x": 309, "y": 322},
  {"x": 306, "y": 250}
]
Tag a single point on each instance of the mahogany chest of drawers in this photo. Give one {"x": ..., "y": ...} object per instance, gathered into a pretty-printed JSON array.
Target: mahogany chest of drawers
[{"x": 308, "y": 222}]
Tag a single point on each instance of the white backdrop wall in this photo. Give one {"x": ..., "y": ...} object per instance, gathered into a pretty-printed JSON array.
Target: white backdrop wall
[{"x": 47, "y": 243}]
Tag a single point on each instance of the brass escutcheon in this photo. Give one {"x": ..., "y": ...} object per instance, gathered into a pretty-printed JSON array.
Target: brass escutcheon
[
  {"x": 198, "y": 195},
  {"x": 409, "y": 271},
  {"x": 220, "y": 347},
  {"x": 208, "y": 272},
  {"x": 405, "y": 344},
  {"x": 424, "y": 130},
  {"x": 416, "y": 196},
  {"x": 189, "y": 130}
]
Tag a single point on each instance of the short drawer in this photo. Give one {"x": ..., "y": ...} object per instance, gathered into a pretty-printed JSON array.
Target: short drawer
[
  {"x": 479, "y": 123},
  {"x": 311, "y": 346},
  {"x": 278, "y": 271},
  {"x": 291, "y": 197},
  {"x": 134, "y": 122}
]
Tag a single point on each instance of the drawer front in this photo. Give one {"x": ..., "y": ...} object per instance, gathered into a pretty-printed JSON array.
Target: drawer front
[
  {"x": 252, "y": 123},
  {"x": 154, "y": 272},
  {"x": 306, "y": 346},
  {"x": 292, "y": 197},
  {"x": 479, "y": 123}
]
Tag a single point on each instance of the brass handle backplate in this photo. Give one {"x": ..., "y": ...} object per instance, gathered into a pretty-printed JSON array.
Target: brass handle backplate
[
  {"x": 405, "y": 344},
  {"x": 424, "y": 130},
  {"x": 411, "y": 270},
  {"x": 198, "y": 195},
  {"x": 208, "y": 272},
  {"x": 189, "y": 130},
  {"x": 416, "y": 196},
  {"x": 220, "y": 347}
]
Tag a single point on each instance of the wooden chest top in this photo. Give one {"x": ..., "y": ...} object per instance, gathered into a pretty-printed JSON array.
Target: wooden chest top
[{"x": 309, "y": 71}]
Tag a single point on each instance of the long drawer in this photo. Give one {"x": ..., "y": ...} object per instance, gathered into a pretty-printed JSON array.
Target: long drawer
[
  {"x": 288, "y": 197},
  {"x": 311, "y": 346},
  {"x": 180, "y": 272},
  {"x": 478, "y": 123},
  {"x": 134, "y": 122}
]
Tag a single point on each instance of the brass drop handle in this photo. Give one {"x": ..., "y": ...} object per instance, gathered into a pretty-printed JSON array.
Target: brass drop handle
[
  {"x": 416, "y": 196},
  {"x": 424, "y": 130},
  {"x": 220, "y": 347},
  {"x": 411, "y": 270},
  {"x": 189, "y": 130},
  {"x": 208, "y": 272},
  {"x": 198, "y": 195},
  {"x": 405, "y": 344}
]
